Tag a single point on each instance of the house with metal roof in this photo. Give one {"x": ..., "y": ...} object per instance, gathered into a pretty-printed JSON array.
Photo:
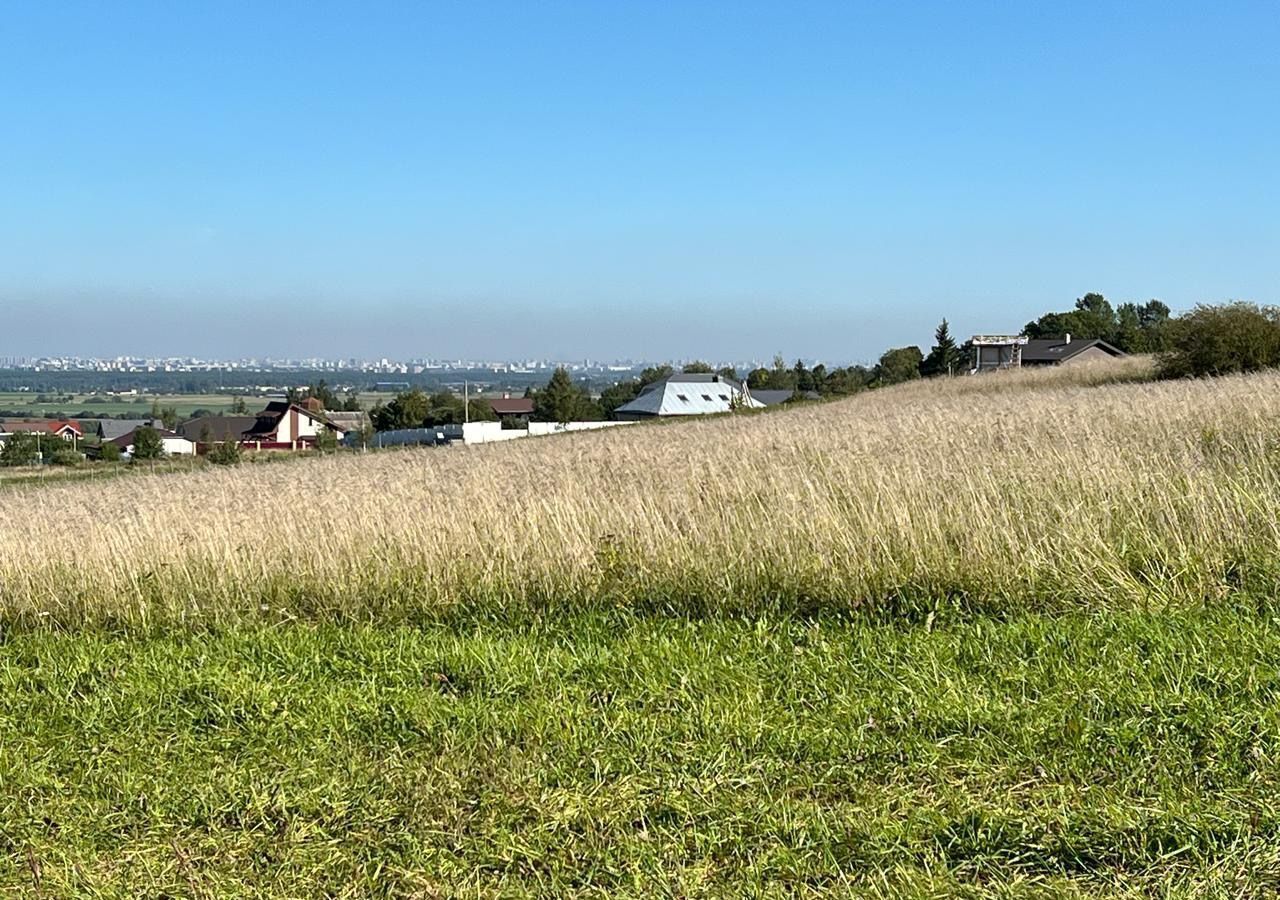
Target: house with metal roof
[
  {"x": 1064, "y": 350},
  {"x": 994, "y": 352},
  {"x": 687, "y": 394}
]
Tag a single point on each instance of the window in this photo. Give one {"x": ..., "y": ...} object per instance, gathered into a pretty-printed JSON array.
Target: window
[
  {"x": 682, "y": 397},
  {"x": 724, "y": 397},
  {"x": 706, "y": 397}
]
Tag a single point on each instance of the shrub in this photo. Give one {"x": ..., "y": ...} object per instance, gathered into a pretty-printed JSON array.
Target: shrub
[
  {"x": 147, "y": 443},
  {"x": 109, "y": 452},
  {"x": 224, "y": 453},
  {"x": 65, "y": 456},
  {"x": 1220, "y": 340},
  {"x": 21, "y": 449},
  {"x": 327, "y": 441}
]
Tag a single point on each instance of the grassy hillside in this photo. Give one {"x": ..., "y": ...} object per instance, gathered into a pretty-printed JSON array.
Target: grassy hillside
[
  {"x": 1010, "y": 636},
  {"x": 1007, "y": 493}
]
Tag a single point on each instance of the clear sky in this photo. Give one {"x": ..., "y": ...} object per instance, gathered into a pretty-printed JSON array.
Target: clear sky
[{"x": 604, "y": 179}]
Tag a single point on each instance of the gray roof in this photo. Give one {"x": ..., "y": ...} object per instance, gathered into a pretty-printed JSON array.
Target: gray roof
[
  {"x": 110, "y": 429},
  {"x": 348, "y": 421},
  {"x": 1050, "y": 350},
  {"x": 686, "y": 395},
  {"x": 771, "y": 397}
]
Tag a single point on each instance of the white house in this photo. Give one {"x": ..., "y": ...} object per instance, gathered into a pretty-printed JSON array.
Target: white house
[
  {"x": 687, "y": 394},
  {"x": 173, "y": 444}
]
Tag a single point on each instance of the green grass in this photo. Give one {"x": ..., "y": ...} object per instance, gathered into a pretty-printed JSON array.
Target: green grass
[
  {"x": 24, "y": 403},
  {"x": 1130, "y": 751}
]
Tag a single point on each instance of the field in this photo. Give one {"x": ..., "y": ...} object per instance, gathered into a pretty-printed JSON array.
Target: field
[
  {"x": 1008, "y": 636},
  {"x": 27, "y": 403}
]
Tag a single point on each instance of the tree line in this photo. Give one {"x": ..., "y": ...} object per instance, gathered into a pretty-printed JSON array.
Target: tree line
[{"x": 1209, "y": 340}]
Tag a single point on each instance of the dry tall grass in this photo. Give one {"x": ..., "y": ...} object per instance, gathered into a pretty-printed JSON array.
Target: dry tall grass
[{"x": 1023, "y": 489}]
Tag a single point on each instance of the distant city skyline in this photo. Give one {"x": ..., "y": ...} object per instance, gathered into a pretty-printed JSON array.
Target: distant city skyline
[{"x": 565, "y": 180}]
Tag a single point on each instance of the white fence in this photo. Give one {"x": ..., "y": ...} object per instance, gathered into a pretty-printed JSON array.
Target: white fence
[{"x": 492, "y": 432}]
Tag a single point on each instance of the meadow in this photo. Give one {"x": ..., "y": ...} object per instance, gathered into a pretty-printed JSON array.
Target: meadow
[
  {"x": 36, "y": 405},
  {"x": 1003, "y": 636}
]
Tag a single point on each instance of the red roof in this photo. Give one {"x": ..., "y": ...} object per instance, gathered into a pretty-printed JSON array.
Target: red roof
[
  {"x": 49, "y": 426},
  {"x": 512, "y": 406}
]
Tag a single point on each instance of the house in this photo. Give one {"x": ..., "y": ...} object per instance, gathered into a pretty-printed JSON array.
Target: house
[
  {"x": 687, "y": 394},
  {"x": 348, "y": 422},
  {"x": 288, "y": 423},
  {"x": 65, "y": 429},
  {"x": 216, "y": 429},
  {"x": 110, "y": 429},
  {"x": 173, "y": 443},
  {"x": 771, "y": 397},
  {"x": 992, "y": 352},
  {"x": 1065, "y": 351},
  {"x": 515, "y": 407}
]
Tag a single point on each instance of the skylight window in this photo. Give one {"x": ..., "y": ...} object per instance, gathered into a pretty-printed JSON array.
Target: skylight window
[
  {"x": 706, "y": 397},
  {"x": 682, "y": 397}
]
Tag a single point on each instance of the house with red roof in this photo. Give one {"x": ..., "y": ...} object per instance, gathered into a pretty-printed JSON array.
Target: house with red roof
[{"x": 70, "y": 431}]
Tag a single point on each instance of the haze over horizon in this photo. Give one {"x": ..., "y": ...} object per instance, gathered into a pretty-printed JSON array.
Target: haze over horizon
[{"x": 567, "y": 180}]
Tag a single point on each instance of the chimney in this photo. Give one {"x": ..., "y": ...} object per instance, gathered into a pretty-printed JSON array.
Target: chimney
[{"x": 1068, "y": 338}]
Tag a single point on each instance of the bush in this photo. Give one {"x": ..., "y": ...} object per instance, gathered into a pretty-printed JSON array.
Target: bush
[
  {"x": 224, "y": 453},
  {"x": 21, "y": 449},
  {"x": 1220, "y": 340},
  {"x": 65, "y": 456},
  {"x": 109, "y": 452},
  {"x": 327, "y": 441}
]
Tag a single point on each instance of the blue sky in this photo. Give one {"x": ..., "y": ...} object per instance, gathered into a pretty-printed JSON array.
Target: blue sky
[{"x": 610, "y": 179}]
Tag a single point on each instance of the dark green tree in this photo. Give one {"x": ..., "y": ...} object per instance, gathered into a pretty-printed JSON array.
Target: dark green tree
[
  {"x": 408, "y": 409},
  {"x": 147, "y": 443},
  {"x": 944, "y": 357},
  {"x": 561, "y": 400},
  {"x": 697, "y": 367},
  {"x": 481, "y": 410},
  {"x": 616, "y": 395},
  {"x": 656, "y": 373},
  {"x": 898, "y": 365}
]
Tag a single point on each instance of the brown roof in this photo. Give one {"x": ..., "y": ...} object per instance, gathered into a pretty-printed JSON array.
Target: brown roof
[
  {"x": 512, "y": 406},
  {"x": 216, "y": 428}
]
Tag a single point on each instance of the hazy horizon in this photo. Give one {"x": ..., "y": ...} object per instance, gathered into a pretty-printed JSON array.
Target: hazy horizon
[{"x": 719, "y": 181}]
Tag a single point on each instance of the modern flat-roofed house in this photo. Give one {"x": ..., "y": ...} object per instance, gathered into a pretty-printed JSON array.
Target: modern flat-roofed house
[
  {"x": 1065, "y": 350},
  {"x": 992, "y": 352},
  {"x": 687, "y": 394}
]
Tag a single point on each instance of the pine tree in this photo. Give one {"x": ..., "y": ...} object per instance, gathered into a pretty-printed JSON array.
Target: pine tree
[
  {"x": 560, "y": 401},
  {"x": 945, "y": 358}
]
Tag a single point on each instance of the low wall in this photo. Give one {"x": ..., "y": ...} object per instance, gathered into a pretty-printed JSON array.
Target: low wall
[
  {"x": 492, "y": 432},
  {"x": 537, "y": 429}
]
